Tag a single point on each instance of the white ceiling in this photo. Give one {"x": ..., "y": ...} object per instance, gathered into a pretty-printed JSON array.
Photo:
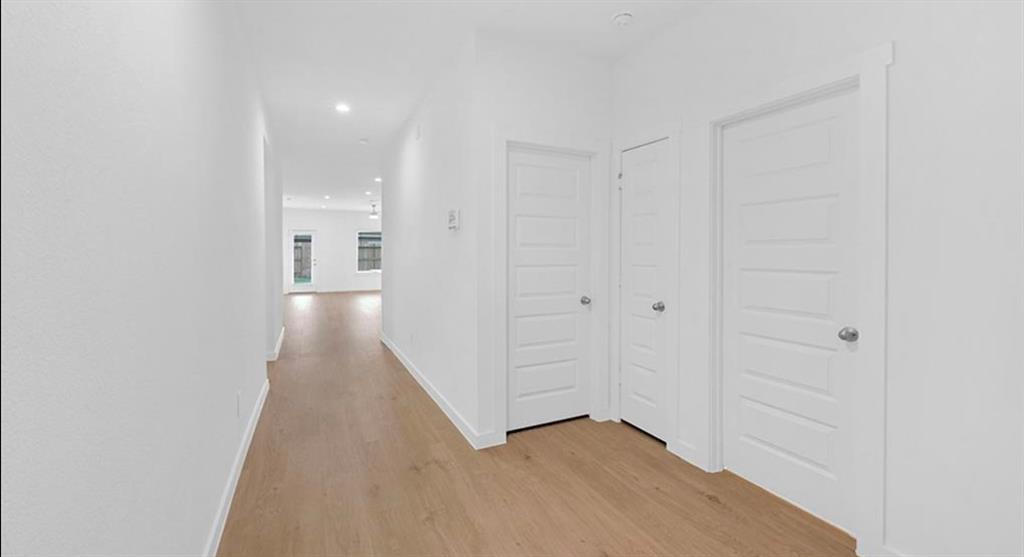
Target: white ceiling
[{"x": 379, "y": 57}]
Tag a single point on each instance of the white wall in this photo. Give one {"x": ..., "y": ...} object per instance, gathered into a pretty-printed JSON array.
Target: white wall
[
  {"x": 430, "y": 272},
  {"x": 955, "y": 474},
  {"x": 335, "y": 248},
  {"x": 133, "y": 274},
  {"x": 273, "y": 226}
]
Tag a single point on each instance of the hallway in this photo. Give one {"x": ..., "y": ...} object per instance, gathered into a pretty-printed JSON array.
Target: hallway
[{"x": 351, "y": 457}]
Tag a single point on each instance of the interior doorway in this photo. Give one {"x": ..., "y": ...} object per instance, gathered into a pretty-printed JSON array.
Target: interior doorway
[
  {"x": 799, "y": 241},
  {"x": 549, "y": 282},
  {"x": 647, "y": 316}
]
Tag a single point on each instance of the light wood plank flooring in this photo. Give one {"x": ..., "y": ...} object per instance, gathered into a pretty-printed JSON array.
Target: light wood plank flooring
[{"x": 351, "y": 457}]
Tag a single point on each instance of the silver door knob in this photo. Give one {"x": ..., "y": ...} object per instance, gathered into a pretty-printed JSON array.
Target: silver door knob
[
  {"x": 585, "y": 300},
  {"x": 849, "y": 334},
  {"x": 658, "y": 306}
]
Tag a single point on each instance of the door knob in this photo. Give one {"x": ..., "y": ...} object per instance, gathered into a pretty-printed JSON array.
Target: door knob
[
  {"x": 658, "y": 306},
  {"x": 849, "y": 334},
  {"x": 585, "y": 300}
]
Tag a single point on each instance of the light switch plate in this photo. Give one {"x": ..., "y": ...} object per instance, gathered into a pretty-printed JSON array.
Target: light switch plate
[{"x": 454, "y": 219}]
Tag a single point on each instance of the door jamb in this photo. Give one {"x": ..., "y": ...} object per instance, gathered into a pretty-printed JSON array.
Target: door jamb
[{"x": 868, "y": 75}]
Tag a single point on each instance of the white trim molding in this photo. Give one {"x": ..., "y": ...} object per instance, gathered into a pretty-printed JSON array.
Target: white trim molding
[
  {"x": 272, "y": 356},
  {"x": 867, "y": 76},
  {"x": 213, "y": 541},
  {"x": 475, "y": 439}
]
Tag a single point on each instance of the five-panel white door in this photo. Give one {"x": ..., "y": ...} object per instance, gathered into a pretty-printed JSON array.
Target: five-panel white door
[
  {"x": 648, "y": 240},
  {"x": 790, "y": 220},
  {"x": 548, "y": 284}
]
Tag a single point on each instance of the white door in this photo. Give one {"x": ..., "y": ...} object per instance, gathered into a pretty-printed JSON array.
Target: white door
[
  {"x": 548, "y": 284},
  {"x": 303, "y": 260},
  {"x": 790, "y": 182},
  {"x": 647, "y": 278}
]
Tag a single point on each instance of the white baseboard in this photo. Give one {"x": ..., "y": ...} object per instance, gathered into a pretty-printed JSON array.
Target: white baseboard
[
  {"x": 347, "y": 290},
  {"x": 213, "y": 541},
  {"x": 878, "y": 551},
  {"x": 687, "y": 452},
  {"x": 475, "y": 439},
  {"x": 272, "y": 356}
]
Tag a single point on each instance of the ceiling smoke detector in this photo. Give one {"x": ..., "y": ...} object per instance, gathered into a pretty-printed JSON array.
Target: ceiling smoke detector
[{"x": 622, "y": 20}]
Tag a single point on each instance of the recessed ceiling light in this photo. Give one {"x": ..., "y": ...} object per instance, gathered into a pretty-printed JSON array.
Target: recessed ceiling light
[
  {"x": 377, "y": 179},
  {"x": 323, "y": 206},
  {"x": 622, "y": 20},
  {"x": 327, "y": 197},
  {"x": 342, "y": 108},
  {"x": 369, "y": 193}
]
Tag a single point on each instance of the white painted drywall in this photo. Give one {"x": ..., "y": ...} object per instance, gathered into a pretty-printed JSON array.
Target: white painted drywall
[
  {"x": 273, "y": 218},
  {"x": 955, "y": 474},
  {"x": 429, "y": 272},
  {"x": 133, "y": 274},
  {"x": 335, "y": 248}
]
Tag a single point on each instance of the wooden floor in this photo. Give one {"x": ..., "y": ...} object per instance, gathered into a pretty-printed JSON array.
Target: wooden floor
[{"x": 351, "y": 457}]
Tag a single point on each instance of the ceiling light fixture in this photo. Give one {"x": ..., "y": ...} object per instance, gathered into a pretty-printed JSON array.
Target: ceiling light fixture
[
  {"x": 369, "y": 193},
  {"x": 327, "y": 197},
  {"x": 622, "y": 20},
  {"x": 373, "y": 211},
  {"x": 323, "y": 206},
  {"x": 377, "y": 179},
  {"x": 342, "y": 108}
]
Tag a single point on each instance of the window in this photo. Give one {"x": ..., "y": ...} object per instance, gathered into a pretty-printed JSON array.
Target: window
[{"x": 369, "y": 251}]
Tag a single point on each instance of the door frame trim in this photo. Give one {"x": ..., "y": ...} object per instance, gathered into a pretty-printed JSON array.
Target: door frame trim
[
  {"x": 598, "y": 383},
  {"x": 867, "y": 74},
  {"x": 671, "y": 136}
]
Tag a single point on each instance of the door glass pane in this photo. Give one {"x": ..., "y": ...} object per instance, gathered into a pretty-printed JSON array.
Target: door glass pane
[{"x": 302, "y": 265}]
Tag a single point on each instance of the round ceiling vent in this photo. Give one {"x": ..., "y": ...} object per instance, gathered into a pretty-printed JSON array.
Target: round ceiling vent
[{"x": 622, "y": 20}]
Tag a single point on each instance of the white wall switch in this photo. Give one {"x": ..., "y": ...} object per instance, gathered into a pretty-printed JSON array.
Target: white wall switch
[{"x": 454, "y": 219}]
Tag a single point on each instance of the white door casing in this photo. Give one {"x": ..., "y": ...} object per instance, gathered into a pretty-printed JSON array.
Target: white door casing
[
  {"x": 648, "y": 251},
  {"x": 548, "y": 278},
  {"x": 790, "y": 180}
]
